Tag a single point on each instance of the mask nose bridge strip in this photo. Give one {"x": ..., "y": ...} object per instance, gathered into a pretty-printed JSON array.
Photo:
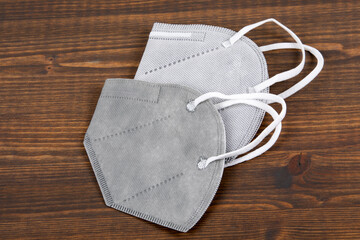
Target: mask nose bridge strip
[
  {"x": 249, "y": 99},
  {"x": 306, "y": 80},
  {"x": 280, "y": 76}
]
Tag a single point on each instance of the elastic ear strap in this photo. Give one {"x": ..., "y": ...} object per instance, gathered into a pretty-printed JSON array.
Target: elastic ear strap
[
  {"x": 277, "y": 120},
  {"x": 258, "y": 151},
  {"x": 306, "y": 80},
  {"x": 280, "y": 76},
  {"x": 260, "y": 138},
  {"x": 249, "y": 99}
]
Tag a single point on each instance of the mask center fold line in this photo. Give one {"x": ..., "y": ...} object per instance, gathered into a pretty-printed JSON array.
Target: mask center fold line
[
  {"x": 157, "y": 185},
  {"x": 133, "y": 129},
  {"x": 182, "y": 60}
]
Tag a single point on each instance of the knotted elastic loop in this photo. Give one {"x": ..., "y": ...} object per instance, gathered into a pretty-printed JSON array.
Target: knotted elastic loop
[{"x": 252, "y": 99}]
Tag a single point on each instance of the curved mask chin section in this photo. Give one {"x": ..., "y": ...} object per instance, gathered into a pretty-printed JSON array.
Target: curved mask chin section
[
  {"x": 193, "y": 56},
  {"x": 145, "y": 146}
]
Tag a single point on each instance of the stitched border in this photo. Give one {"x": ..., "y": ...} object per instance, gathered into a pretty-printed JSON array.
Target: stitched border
[
  {"x": 154, "y": 186},
  {"x": 132, "y": 129},
  {"x": 128, "y": 98},
  {"x": 177, "y": 39},
  {"x": 98, "y": 172},
  {"x": 190, "y": 27},
  {"x": 258, "y": 112},
  {"x": 182, "y": 60},
  {"x": 149, "y": 218},
  {"x": 174, "y": 31}
]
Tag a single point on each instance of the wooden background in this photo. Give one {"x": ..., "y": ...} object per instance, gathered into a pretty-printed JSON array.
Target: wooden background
[{"x": 54, "y": 58}]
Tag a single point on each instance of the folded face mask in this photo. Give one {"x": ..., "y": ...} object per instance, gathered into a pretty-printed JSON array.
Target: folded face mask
[
  {"x": 208, "y": 58},
  {"x": 158, "y": 150}
]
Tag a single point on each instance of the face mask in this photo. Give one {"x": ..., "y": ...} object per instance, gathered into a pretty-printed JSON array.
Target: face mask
[
  {"x": 158, "y": 150},
  {"x": 208, "y": 58}
]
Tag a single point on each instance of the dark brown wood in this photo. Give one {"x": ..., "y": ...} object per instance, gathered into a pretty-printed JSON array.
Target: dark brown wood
[{"x": 54, "y": 58}]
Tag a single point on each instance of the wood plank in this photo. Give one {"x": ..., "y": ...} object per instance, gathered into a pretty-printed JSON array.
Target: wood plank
[{"x": 54, "y": 58}]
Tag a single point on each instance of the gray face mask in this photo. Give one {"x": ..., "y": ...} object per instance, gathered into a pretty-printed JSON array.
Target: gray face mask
[
  {"x": 158, "y": 150},
  {"x": 208, "y": 58}
]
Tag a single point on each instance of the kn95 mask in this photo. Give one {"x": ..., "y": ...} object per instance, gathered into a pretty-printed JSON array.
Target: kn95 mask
[
  {"x": 158, "y": 150},
  {"x": 209, "y": 58}
]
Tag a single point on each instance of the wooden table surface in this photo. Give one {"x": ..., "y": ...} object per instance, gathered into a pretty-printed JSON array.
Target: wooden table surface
[{"x": 54, "y": 58}]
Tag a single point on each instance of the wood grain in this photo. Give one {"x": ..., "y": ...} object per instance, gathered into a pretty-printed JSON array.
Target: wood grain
[{"x": 54, "y": 58}]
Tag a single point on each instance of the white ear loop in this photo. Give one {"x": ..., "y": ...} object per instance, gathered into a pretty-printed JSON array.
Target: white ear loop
[
  {"x": 280, "y": 76},
  {"x": 253, "y": 100},
  {"x": 306, "y": 80},
  {"x": 266, "y": 146}
]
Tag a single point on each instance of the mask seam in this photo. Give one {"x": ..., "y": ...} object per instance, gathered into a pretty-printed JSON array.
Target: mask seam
[
  {"x": 177, "y": 39},
  {"x": 198, "y": 54},
  {"x": 133, "y": 129},
  {"x": 192, "y": 27},
  {"x": 129, "y": 98},
  {"x": 149, "y": 217},
  {"x": 259, "y": 113},
  {"x": 98, "y": 172},
  {"x": 174, "y": 31},
  {"x": 157, "y": 185}
]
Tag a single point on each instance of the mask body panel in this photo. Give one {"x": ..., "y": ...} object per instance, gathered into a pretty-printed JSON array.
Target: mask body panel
[
  {"x": 144, "y": 147},
  {"x": 202, "y": 63}
]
